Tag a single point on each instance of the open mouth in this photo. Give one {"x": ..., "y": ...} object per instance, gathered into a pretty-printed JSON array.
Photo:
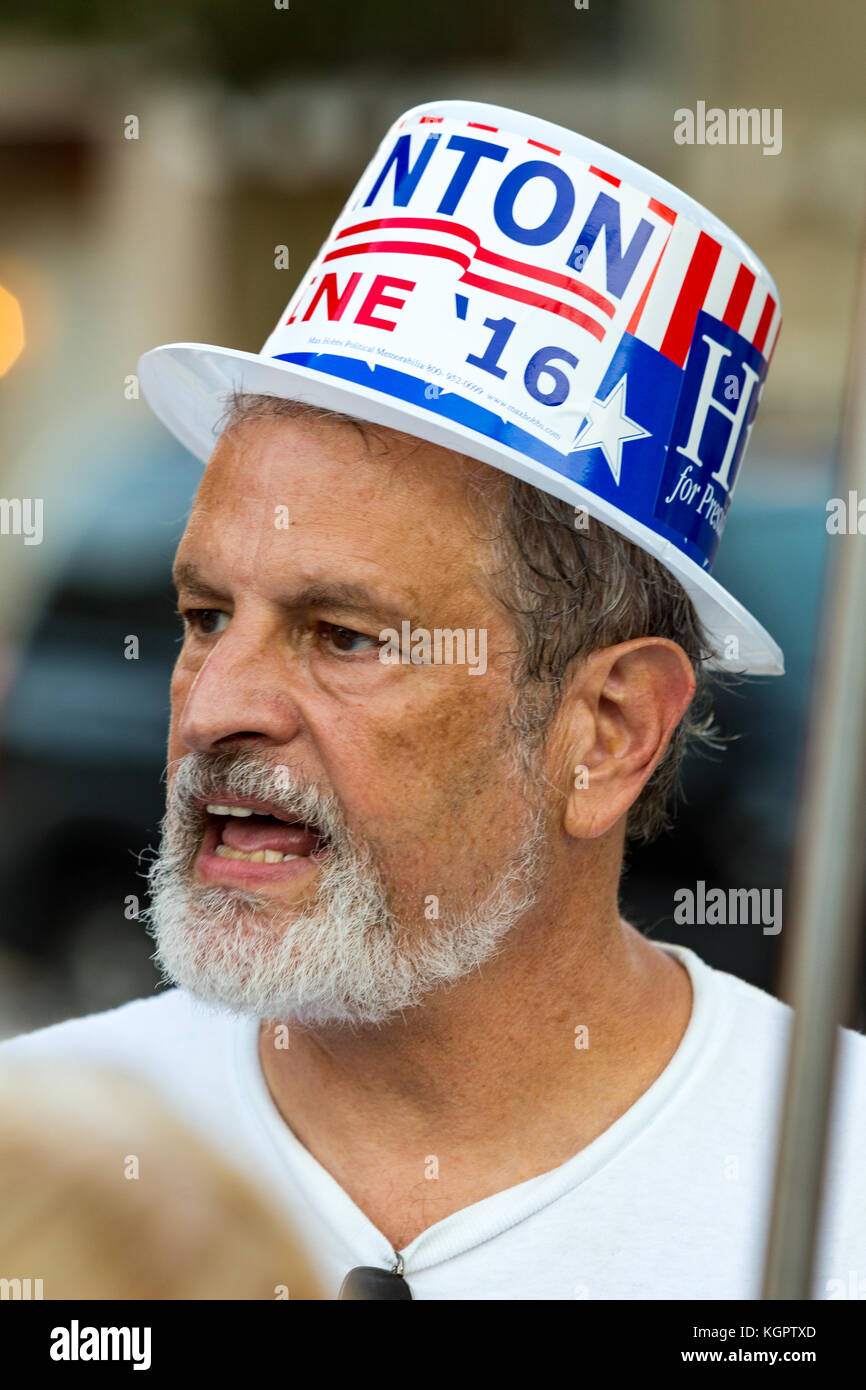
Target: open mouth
[{"x": 253, "y": 834}]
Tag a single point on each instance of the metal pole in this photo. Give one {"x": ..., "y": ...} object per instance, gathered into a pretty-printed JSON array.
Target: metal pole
[{"x": 821, "y": 956}]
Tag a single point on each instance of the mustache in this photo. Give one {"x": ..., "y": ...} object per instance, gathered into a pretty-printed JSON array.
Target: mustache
[{"x": 199, "y": 778}]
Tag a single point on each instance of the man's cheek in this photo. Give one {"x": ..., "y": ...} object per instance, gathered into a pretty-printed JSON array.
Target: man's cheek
[
  {"x": 181, "y": 683},
  {"x": 182, "y": 679}
]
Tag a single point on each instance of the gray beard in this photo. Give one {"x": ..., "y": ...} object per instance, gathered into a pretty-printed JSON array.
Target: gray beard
[{"x": 341, "y": 957}]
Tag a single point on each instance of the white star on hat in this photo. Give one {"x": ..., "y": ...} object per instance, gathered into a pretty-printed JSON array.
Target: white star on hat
[{"x": 607, "y": 427}]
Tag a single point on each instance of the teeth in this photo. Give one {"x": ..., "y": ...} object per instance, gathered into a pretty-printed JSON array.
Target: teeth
[
  {"x": 261, "y": 856},
  {"x": 215, "y": 809}
]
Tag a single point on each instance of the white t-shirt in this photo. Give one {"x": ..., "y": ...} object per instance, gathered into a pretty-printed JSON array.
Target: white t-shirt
[{"x": 670, "y": 1202}]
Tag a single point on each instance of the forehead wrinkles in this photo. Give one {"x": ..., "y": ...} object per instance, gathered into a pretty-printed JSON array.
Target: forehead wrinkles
[
  {"x": 263, "y": 457},
  {"x": 264, "y": 464}
]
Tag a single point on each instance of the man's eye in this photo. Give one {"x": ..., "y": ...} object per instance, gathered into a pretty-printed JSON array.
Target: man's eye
[
  {"x": 206, "y": 620},
  {"x": 346, "y": 639}
]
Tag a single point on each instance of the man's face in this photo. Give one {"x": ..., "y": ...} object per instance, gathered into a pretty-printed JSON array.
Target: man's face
[{"x": 420, "y": 847}]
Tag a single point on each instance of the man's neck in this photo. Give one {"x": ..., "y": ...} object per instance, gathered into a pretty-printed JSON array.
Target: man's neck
[{"x": 501, "y": 1078}]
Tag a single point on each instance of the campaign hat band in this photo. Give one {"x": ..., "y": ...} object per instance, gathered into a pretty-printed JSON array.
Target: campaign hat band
[{"x": 510, "y": 289}]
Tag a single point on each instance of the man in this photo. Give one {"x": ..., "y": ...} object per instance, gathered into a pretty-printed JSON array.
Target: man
[{"x": 424, "y": 696}]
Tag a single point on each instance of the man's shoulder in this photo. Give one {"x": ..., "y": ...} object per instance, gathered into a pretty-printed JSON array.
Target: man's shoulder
[
  {"x": 751, "y": 1035},
  {"x": 777, "y": 1018},
  {"x": 163, "y": 1022},
  {"x": 745, "y": 1011},
  {"x": 756, "y": 1049},
  {"x": 764, "y": 1011}
]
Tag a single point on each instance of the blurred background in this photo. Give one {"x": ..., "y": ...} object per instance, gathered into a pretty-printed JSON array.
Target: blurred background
[{"x": 254, "y": 121}]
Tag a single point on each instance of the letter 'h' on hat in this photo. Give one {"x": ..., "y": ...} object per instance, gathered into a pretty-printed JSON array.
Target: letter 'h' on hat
[{"x": 509, "y": 289}]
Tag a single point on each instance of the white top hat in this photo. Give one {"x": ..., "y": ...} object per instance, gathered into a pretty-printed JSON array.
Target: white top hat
[{"x": 507, "y": 288}]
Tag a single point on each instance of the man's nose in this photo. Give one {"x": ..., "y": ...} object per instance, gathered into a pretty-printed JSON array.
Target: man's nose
[{"x": 242, "y": 690}]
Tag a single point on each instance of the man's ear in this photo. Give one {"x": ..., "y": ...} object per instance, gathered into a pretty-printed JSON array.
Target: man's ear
[{"x": 613, "y": 728}]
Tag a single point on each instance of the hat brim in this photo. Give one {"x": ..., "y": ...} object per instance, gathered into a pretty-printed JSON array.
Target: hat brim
[{"x": 188, "y": 386}]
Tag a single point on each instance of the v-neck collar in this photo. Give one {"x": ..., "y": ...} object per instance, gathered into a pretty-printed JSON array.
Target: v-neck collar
[{"x": 489, "y": 1217}]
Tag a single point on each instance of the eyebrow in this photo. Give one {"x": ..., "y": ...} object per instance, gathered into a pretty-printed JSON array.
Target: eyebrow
[
  {"x": 342, "y": 594},
  {"x": 189, "y": 577}
]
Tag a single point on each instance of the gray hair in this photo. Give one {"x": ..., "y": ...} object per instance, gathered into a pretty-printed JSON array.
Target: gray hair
[{"x": 571, "y": 589}]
